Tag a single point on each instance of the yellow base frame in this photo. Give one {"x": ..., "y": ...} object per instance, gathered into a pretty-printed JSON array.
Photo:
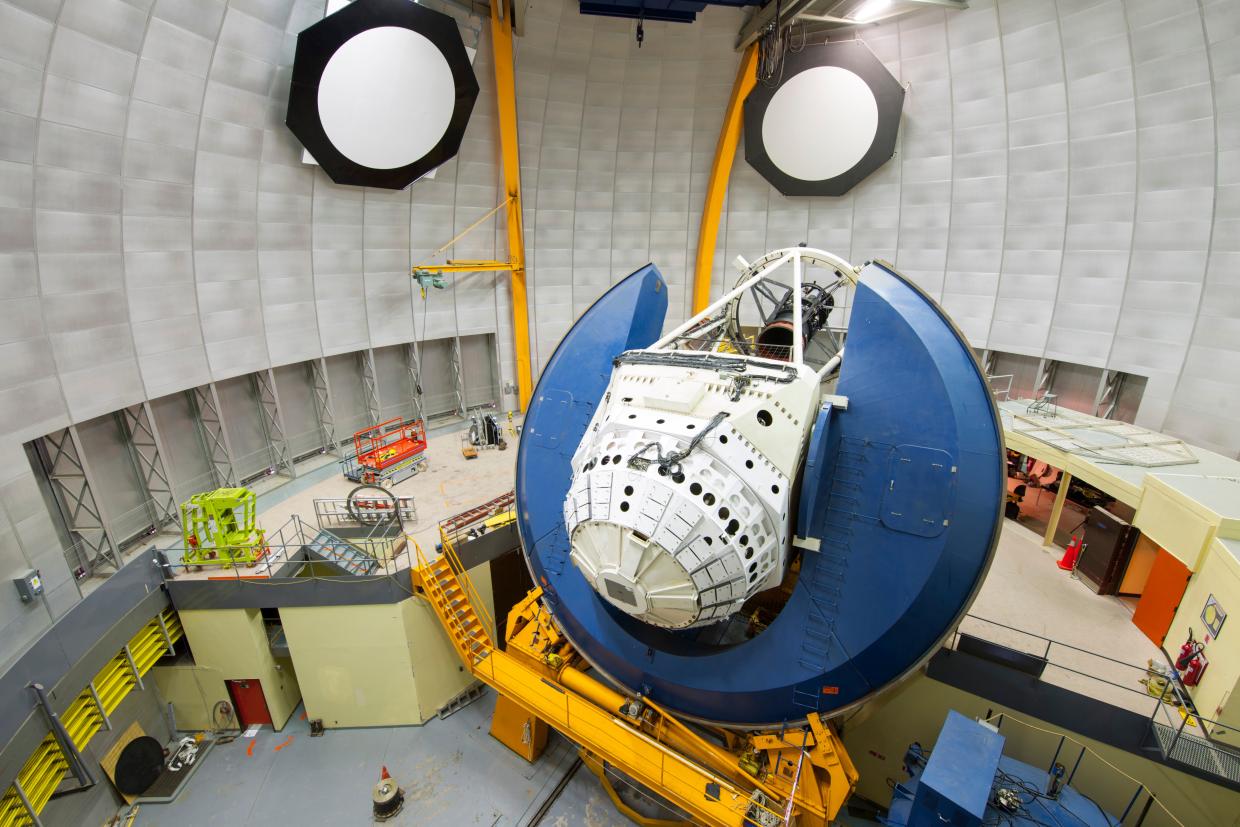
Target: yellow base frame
[
  {"x": 514, "y": 727},
  {"x": 728, "y": 779},
  {"x": 594, "y": 764}
]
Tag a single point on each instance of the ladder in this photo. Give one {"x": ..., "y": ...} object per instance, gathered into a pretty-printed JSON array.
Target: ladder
[
  {"x": 456, "y": 522},
  {"x": 346, "y": 555}
]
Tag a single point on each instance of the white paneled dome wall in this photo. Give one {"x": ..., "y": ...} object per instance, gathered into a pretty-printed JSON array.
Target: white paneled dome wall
[
  {"x": 1067, "y": 183},
  {"x": 1066, "y": 180}
]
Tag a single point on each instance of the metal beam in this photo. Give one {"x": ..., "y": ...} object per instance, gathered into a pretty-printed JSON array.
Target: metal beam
[
  {"x": 1047, "y": 368},
  {"x": 720, "y": 171},
  {"x": 462, "y": 266},
  {"x": 415, "y": 380},
  {"x": 370, "y": 384},
  {"x": 31, "y": 812},
  {"x": 990, "y": 361},
  {"x": 506, "y": 105},
  {"x": 323, "y": 404},
  {"x": 204, "y": 402},
  {"x": 764, "y": 17},
  {"x": 1110, "y": 386},
  {"x": 64, "y": 463},
  {"x": 137, "y": 423},
  {"x": 272, "y": 417},
  {"x": 958, "y": 5},
  {"x": 458, "y": 376}
]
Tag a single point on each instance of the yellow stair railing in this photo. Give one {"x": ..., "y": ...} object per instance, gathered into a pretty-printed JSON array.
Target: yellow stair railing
[{"x": 47, "y": 766}]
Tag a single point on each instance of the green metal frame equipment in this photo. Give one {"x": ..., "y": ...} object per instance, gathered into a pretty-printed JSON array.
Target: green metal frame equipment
[{"x": 219, "y": 528}]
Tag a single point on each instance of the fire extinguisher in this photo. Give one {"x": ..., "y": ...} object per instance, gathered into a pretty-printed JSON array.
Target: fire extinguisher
[
  {"x": 1188, "y": 651},
  {"x": 1192, "y": 675}
]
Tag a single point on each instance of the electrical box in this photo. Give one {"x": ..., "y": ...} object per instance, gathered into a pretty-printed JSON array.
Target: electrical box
[
  {"x": 955, "y": 786},
  {"x": 29, "y": 585}
]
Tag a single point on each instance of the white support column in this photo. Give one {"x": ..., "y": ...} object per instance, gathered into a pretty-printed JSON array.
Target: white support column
[
  {"x": 412, "y": 363},
  {"x": 458, "y": 377},
  {"x": 323, "y": 409},
  {"x": 137, "y": 423},
  {"x": 64, "y": 463},
  {"x": 1046, "y": 378},
  {"x": 205, "y": 404},
  {"x": 370, "y": 384},
  {"x": 273, "y": 422},
  {"x": 1110, "y": 386}
]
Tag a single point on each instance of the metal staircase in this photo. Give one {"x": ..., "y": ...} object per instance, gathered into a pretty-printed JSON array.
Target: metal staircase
[
  {"x": 451, "y": 602},
  {"x": 345, "y": 555}
]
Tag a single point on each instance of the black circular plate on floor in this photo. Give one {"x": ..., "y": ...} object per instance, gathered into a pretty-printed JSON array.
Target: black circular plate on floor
[{"x": 139, "y": 764}]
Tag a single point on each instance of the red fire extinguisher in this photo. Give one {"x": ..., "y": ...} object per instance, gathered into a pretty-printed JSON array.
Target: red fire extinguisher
[
  {"x": 1192, "y": 675},
  {"x": 1188, "y": 651}
]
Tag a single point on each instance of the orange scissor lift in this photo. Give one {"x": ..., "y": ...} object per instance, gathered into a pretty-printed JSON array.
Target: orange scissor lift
[{"x": 387, "y": 453}]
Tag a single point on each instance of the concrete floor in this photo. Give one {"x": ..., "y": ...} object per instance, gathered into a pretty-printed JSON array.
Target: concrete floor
[
  {"x": 1024, "y": 589},
  {"x": 452, "y": 772},
  {"x": 455, "y": 774},
  {"x": 449, "y": 485}
]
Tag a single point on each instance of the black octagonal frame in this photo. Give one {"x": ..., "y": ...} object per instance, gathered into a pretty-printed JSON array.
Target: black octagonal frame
[
  {"x": 315, "y": 47},
  {"x": 857, "y": 58}
]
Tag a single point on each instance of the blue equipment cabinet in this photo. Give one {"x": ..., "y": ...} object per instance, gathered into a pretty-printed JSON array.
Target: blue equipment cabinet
[{"x": 955, "y": 787}]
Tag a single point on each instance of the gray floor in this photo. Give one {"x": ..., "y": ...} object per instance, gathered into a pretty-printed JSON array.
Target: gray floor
[{"x": 452, "y": 772}]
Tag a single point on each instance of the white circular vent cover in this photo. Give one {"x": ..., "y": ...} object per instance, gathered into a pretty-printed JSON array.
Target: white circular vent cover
[
  {"x": 386, "y": 97},
  {"x": 820, "y": 123}
]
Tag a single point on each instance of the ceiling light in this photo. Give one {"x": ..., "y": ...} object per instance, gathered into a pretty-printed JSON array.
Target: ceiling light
[{"x": 869, "y": 10}]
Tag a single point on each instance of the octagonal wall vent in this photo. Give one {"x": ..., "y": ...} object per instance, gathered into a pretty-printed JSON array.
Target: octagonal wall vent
[
  {"x": 830, "y": 121},
  {"x": 382, "y": 92}
]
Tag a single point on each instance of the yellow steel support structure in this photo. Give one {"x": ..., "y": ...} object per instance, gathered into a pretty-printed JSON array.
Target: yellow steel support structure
[
  {"x": 506, "y": 100},
  {"x": 720, "y": 171},
  {"x": 732, "y": 781}
]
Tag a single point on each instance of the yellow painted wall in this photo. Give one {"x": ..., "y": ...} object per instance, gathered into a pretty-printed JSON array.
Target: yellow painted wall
[
  {"x": 436, "y": 668},
  {"x": 193, "y": 692},
  {"x": 915, "y": 711},
  {"x": 234, "y": 642},
  {"x": 1175, "y": 522},
  {"x": 354, "y": 664},
  {"x": 1220, "y": 576},
  {"x": 377, "y": 665}
]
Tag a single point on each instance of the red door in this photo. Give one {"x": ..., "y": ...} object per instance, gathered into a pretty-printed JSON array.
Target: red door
[
  {"x": 248, "y": 700},
  {"x": 1164, "y": 589}
]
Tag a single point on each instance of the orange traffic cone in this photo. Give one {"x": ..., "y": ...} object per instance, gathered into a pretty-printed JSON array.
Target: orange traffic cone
[
  {"x": 384, "y": 775},
  {"x": 1068, "y": 561}
]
